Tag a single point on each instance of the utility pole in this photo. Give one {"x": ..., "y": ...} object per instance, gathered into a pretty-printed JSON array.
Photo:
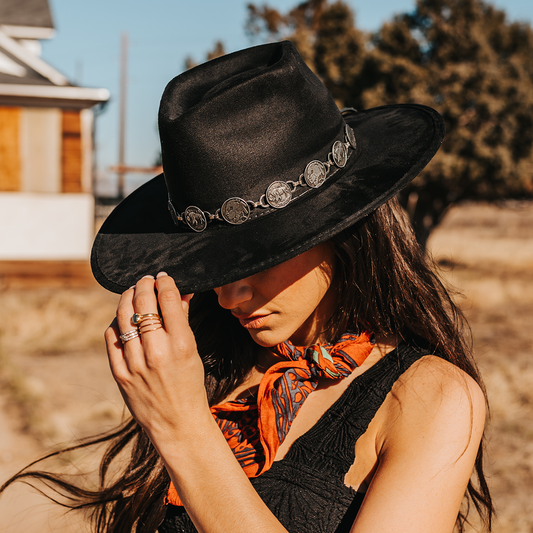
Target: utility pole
[{"x": 122, "y": 117}]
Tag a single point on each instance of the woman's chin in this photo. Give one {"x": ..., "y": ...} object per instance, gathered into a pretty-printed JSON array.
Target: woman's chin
[{"x": 265, "y": 338}]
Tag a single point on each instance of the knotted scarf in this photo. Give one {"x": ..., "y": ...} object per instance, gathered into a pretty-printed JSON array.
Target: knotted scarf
[{"x": 256, "y": 426}]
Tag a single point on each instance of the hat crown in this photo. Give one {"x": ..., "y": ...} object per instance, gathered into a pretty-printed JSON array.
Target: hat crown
[{"x": 232, "y": 126}]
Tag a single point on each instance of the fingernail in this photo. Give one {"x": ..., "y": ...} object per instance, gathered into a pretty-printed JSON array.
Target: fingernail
[
  {"x": 132, "y": 287},
  {"x": 161, "y": 274},
  {"x": 148, "y": 276}
]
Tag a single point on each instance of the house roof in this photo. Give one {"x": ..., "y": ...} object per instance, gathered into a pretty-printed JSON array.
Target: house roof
[
  {"x": 26, "y": 19},
  {"x": 35, "y": 13},
  {"x": 23, "y": 66},
  {"x": 51, "y": 96},
  {"x": 27, "y": 80}
]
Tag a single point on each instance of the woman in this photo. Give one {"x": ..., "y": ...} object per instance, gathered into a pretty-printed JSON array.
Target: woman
[{"x": 323, "y": 383}]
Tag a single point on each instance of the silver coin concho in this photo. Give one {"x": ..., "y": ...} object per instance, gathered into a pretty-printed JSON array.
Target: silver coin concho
[
  {"x": 315, "y": 174},
  {"x": 235, "y": 211},
  {"x": 340, "y": 154},
  {"x": 195, "y": 218},
  {"x": 278, "y": 194},
  {"x": 350, "y": 135}
]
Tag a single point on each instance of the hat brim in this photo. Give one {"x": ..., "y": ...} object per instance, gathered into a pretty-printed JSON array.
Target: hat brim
[{"x": 394, "y": 143}]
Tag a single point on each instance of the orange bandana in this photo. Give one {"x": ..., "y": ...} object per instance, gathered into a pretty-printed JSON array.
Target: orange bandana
[{"x": 255, "y": 427}]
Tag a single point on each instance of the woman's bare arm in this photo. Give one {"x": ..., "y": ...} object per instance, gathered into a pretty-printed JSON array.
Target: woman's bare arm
[{"x": 433, "y": 421}]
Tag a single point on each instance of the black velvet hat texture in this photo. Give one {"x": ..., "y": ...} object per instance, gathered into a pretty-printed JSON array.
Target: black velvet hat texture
[{"x": 259, "y": 165}]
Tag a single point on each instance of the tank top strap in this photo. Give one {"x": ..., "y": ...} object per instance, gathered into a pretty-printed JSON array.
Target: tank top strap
[
  {"x": 305, "y": 490},
  {"x": 329, "y": 445}
]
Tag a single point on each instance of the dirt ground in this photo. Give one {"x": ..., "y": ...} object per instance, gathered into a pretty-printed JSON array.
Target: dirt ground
[{"x": 56, "y": 387}]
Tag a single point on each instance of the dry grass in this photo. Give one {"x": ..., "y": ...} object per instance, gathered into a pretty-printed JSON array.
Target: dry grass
[
  {"x": 57, "y": 386},
  {"x": 44, "y": 332},
  {"x": 51, "y": 321},
  {"x": 487, "y": 252}
]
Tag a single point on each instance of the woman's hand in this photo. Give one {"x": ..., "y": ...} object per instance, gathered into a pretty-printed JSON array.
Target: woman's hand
[
  {"x": 161, "y": 378},
  {"x": 159, "y": 373}
]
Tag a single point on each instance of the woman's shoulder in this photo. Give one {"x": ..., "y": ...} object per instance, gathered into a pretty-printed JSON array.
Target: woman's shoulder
[
  {"x": 425, "y": 439},
  {"x": 433, "y": 397},
  {"x": 432, "y": 378}
]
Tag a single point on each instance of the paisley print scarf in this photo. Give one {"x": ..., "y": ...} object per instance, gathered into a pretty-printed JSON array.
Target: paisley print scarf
[{"x": 256, "y": 426}]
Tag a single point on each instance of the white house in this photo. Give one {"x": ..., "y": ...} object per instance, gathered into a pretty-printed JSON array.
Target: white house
[{"x": 46, "y": 129}]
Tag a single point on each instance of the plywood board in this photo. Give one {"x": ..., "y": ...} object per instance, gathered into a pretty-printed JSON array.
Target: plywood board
[
  {"x": 71, "y": 152},
  {"x": 9, "y": 149}
]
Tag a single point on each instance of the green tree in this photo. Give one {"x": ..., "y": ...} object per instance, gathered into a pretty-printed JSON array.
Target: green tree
[
  {"x": 461, "y": 57},
  {"x": 218, "y": 50},
  {"x": 325, "y": 35}
]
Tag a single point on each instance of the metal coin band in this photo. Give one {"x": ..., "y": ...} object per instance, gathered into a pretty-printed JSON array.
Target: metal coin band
[{"x": 278, "y": 194}]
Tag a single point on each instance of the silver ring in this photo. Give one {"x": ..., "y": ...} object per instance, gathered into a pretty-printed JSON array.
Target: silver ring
[{"x": 125, "y": 337}]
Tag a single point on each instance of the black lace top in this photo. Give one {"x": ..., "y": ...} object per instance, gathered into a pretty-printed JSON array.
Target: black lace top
[{"x": 306, "y": 489}]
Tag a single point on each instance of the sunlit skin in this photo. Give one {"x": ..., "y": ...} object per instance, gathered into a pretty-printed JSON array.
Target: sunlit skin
[
  {"x": 415, "y": 457},
  {"x": 293, "y": 300}
]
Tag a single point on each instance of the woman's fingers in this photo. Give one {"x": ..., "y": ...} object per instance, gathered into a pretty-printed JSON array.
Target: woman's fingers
[
  {"x": 159, "y": 373},
  {"x": 112, "y": 334},
  {"x": 138, "y": 299},
  {"x": 170, "y": 303},
  {"x": 185, "y": 302},
  {"x": 125, "y": 312},
  {"x": 114, "y": 348},
  {"x": 145, "y": 313},
  {"x": 163, "y": 335},
  {"x": 169, "y": 299},
  {"x": 144, "y": 298}
]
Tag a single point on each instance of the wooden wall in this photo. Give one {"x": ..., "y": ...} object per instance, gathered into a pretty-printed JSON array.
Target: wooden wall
[
  {"x": 12, "y": 144},
  {"x": 71, "y": 152},
  {"x": 9, "y": 149}
]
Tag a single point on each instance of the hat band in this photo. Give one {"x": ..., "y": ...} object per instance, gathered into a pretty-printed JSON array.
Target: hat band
[{"x": 278, "y": 194}]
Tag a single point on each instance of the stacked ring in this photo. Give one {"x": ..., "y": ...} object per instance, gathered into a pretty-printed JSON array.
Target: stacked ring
[
  {"x": 144, "y": 321},
  {"x": 129, "y": 335},
  {"x": 137, "y": 318}
]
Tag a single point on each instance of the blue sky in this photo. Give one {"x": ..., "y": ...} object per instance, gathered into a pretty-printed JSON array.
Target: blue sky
[{"x": 162, "y": 33}]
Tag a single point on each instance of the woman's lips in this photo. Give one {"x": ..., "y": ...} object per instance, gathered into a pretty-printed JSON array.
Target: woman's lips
[{"x": 253, "y": 322}]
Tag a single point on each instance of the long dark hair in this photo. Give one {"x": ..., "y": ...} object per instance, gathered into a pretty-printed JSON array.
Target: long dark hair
[{"x": 383, "y": 280}]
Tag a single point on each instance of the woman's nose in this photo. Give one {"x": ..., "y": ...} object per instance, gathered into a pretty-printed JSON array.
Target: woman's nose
[{"x": 234, "y": 295}]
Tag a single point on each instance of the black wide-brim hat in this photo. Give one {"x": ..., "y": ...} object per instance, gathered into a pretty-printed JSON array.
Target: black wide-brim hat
[{"x": 259, "y": 166}]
